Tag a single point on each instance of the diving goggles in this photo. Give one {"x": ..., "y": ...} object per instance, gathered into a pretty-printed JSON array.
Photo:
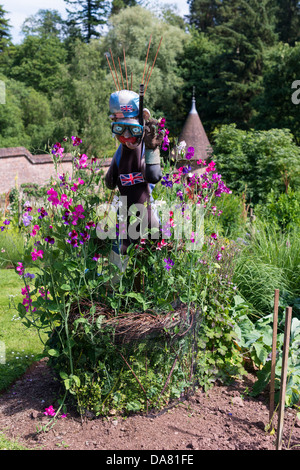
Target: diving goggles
[{"x": 136, "y": 130}]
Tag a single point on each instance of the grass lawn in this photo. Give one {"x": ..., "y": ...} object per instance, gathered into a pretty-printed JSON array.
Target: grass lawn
[{"x": 19, "y": 346}]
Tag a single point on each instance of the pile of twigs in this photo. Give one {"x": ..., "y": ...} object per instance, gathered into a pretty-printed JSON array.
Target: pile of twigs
[{"x": 136, "y": 326}]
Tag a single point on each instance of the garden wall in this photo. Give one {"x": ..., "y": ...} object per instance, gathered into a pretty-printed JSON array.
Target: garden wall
[{"x": 17, "y": 163}]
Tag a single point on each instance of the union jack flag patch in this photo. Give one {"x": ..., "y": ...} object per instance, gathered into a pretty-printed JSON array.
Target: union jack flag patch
[
  {"x": 126, "y": 108},
  {"x": 130, "y": 179}
]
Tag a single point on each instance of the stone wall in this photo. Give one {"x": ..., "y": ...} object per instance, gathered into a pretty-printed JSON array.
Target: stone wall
[{"x": 17, "y": 164}]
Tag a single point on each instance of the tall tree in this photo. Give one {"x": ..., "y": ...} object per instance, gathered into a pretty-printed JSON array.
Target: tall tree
[
  {"x": 5, "y": 36},
  {"x": 90, "y": 15},
  {"x": 245, "y": 30},
  {"x": 288, "y": 20},
  {"x": 204, "y": 13},
  {"x": 44, "y": 23},
  {"x": 118, "y": 5}
]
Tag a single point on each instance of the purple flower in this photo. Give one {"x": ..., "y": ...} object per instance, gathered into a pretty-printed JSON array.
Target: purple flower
[
  {"x": 26, "y": 219},
  {"x": 190, "y": 153},
  {"x": 76, "y": 141},
  {"x": 43, "y": 213},
  {"x": 50, "y": 240},
  {"x": 166, "y": 182},
  {"x": 169, "y": 263}
]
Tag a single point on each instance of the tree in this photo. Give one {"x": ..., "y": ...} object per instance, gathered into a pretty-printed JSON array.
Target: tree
[
  {"x": 288, "y": 20},
  {"x": 204, "y": 13},
  {"x": 90, "y": 15},
  {"x": 5, "y": 36},
  {"x": 118, "y": 5},
  {"x": 44, "y": 23},
  {"x": 244, "y": 32},
  {"x": 38, "y": 62},
  {"x": 275, "y": 106}
]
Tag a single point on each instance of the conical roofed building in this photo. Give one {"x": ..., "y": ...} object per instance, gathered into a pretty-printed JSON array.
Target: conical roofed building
[{"x": 194, "y": 135}]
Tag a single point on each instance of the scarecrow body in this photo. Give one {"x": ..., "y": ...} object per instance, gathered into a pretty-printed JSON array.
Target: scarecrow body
[{"x": 135, "y": 167}]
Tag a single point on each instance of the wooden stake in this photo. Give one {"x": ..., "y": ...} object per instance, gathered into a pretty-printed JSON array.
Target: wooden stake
[
  {"x": 273, "y": 358},
  {"x": 111, "y": 70},
  {"x": 121, "y": 73},
  {"x": 286, "y": 341},
  {"x": 125, "y": 68},
  {"x": 153, "y": 63},
  {"x": 115, "y": 68},
  {"x": 146, "y": 58}
]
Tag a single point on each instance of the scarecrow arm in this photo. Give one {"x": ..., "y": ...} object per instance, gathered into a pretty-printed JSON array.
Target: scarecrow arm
[{"x": 152, "y": 141}]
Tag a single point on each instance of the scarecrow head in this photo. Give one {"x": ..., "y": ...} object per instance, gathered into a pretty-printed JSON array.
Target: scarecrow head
[{"x": 127, "y": 125}]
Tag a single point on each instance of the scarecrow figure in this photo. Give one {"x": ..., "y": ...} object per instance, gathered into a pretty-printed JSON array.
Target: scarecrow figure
[{"x": 135, "y": 167}]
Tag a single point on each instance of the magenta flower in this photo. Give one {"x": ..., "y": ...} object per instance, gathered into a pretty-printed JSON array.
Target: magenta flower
[
  {"x": 37, "y": 254},
  {"x": 35, "y": 230},
  {"x": 20, "y": 269},
  {"x": 53, "y": 197},
  {"x": 64, "y": 201},
  {"x": 218, "y": 256},
  {"x": 50, "y": 411},
  {"x": 77, "y": 214},
  {"x": 214, "y": 235},
  {"x": 83, "y": 161},
  {"x": 76, "y": 141}
]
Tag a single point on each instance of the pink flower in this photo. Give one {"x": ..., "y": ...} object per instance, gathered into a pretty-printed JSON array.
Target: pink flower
[
  {"x": 42, "y": 292},
  {"x": 35, "y": 229},
  {"x": 53, "y": 197},
  {"x": 20, "y": 269},
  {"x": 83, "y": 161},
  {"x": 219, "y": 256},
  {"x": 64, "y": 201},
  {"x": 37, "y": 254},
  {"x": 214, "y": 235},
  {"x": 50, "y": 411},
  {"x": 77, "y": 214}
]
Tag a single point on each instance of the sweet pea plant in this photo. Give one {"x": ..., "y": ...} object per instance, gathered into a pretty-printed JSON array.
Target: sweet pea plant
[{"x": 70, "y": 282}]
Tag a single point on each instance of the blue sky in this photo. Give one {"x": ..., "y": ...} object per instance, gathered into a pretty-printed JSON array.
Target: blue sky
[{"x": 19, "y": 10}]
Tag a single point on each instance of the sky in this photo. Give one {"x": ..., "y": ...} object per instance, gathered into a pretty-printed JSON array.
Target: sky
[{"x": 19, "y": 10}]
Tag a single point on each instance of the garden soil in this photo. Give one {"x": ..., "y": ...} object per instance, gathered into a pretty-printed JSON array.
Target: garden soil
[{"x": 225, "y": 418}]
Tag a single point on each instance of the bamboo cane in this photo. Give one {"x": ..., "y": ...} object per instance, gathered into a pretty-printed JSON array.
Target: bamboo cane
[
  {"x": 286, "y": 341},
  {"x": 273, "y": 358}
]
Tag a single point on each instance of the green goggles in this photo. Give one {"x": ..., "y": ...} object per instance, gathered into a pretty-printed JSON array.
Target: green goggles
[{"x": 136, "y": 130}]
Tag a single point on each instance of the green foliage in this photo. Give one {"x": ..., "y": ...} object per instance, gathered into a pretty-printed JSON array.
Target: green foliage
[
  {"x": 38, "y": 62},
  {"x": 257, "y": 161},
  {"x": 269, "y": 260},
  {"x": 255, "y": 339},
  {"x": 89, "y": 15},
  {"x": 282, "y": 210},
  {"x": 274, "y": 107}
]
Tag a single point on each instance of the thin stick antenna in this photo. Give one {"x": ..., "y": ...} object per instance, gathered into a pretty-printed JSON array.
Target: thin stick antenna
[
  {"x": 121, "y": 73},
  {"x": 153, "y": 64},
  {"x": 112, "y": 58},
  {"x": 146, "y": 58},
  {"x": 106, "y": 55},
  {"x": 131, "y": 81},
  {"x": 125, "y": 68}
]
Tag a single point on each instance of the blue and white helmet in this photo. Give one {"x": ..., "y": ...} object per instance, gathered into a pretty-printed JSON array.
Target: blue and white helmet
[{"x": 124, "y": 104}]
